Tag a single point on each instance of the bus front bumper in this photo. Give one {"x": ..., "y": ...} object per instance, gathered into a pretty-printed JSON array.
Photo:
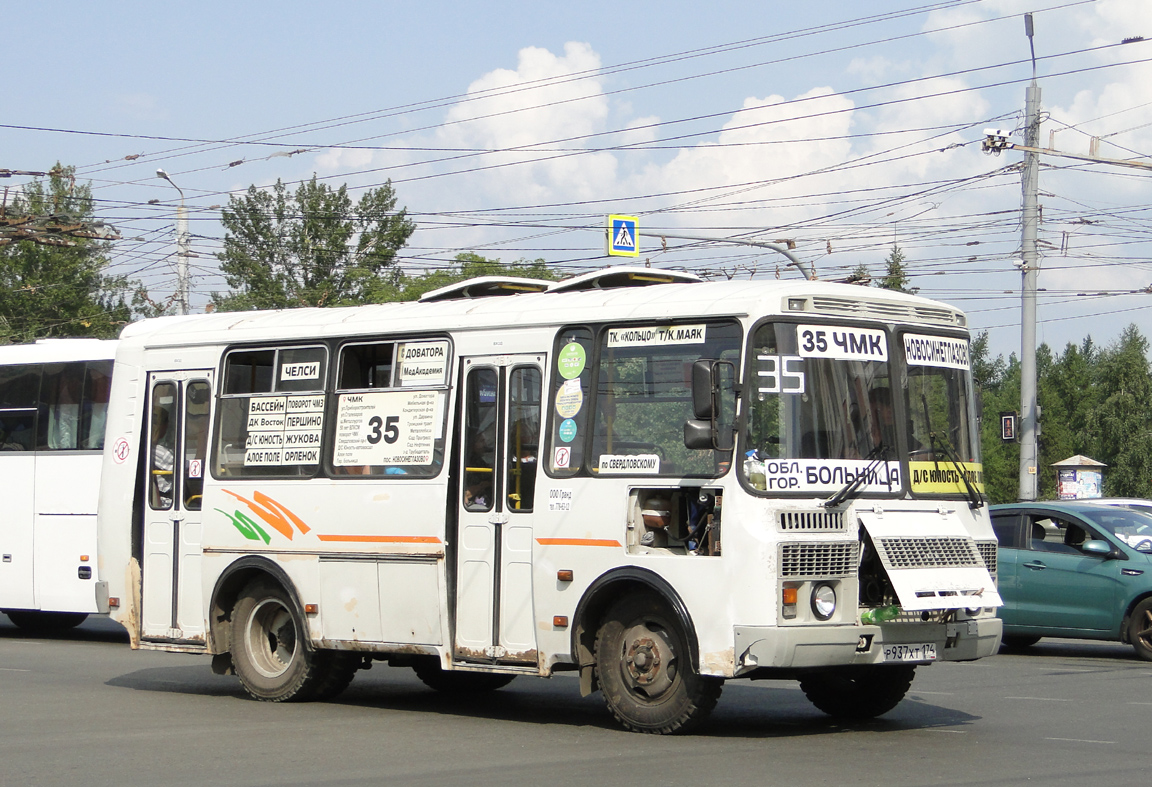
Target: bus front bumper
[{"x": 760, "y": 647}]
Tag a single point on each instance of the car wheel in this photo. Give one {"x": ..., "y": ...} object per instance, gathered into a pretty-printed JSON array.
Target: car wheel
[{"x": 1140, "y": 629}]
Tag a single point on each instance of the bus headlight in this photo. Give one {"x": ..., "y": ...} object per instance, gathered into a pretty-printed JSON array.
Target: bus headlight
[{"x": 823, "y": 601}]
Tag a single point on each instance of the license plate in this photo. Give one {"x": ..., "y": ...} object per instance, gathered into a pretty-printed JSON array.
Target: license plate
[{"x": 925, "y": 652}]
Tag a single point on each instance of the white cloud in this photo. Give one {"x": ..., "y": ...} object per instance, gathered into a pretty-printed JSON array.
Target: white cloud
[
  {"x": 875, "y": 70},
  {"x": 767, "y": 163},
  {"x": 640, "y": 130},
  {"x": 343, "y": 159}
]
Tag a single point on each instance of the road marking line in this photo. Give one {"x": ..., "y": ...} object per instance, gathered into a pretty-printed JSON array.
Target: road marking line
[
  {"x": 1038, "y": 699},
  {"x": 13, "y": 669},
  {"x": 954, "y": 732},
  {"x": 937, "y": 693},
  {"x": 1140, "y": 703},
  {"x": 1078, "y": 740}
]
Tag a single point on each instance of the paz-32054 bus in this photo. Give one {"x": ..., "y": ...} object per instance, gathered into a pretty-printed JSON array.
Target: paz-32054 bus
[{"x": 658, "y": 482}]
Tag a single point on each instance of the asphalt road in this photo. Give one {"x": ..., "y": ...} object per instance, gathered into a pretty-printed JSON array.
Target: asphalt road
[{"x": 84, "y": 709}]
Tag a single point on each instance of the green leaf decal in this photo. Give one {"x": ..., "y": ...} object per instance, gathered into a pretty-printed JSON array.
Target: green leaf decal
[{"x": 247, "y": 526}]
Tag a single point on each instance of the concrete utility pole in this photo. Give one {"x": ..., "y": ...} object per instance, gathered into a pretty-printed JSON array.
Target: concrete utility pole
[
  {"x": 995, "y": 142},
  {"x": 1030, "y": 181},
  {"x": 181, "y": 248}
]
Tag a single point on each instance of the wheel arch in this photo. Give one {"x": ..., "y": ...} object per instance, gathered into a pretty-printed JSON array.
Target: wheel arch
[
  {"x": 226, "y": 593},
  {"x": 1135, "y": 602},
  {"x": 593, "y": 605}
]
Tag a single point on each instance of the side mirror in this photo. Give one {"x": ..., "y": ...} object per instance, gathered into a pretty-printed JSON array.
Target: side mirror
[
  {"x": 1101, "y": 548},
  {"x": 714, "y": 405},
  {"x": 698, "y": 435},
  {"x": 703, "y": 403}
]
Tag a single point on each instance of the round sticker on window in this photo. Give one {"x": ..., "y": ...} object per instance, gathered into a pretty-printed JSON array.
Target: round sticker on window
[
  {"x": 570, "y": 360},
  {"x": 567, "y": 430},
  {"x": 569, "y": 399}
]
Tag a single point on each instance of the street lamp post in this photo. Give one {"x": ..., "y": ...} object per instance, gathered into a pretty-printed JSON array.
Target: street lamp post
[{"x": 181, "y": 248}]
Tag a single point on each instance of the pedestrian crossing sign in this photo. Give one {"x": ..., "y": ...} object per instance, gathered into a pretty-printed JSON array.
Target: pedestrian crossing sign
[{"x": 622, "y": 238}]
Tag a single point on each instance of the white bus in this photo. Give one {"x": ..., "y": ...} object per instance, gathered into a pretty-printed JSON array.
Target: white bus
[
  {"x": 659, "y": 487},
  {"x": 53, "y": 404}
]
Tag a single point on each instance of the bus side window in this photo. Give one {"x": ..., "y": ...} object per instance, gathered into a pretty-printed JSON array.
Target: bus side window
[
  {"x": 568, "y": 415},
  {"x": 60, "y": 395},
  {"x": 94, "y": 412},
  {"x": 480, "y": 440},
  {"x": 523, "y": 436},
  {"x": 366, "y": 366},
  {"x": 19, "y": 390},
  {"x": 162, "y": 447},
  {"x": 264, "y": 391},
  {"x": 197, "y": 403}
]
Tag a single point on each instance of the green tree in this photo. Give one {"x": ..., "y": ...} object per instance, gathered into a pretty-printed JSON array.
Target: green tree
[
  {"x": 469, "y": 265},
  {"x": 997, "y": 384},
  {"x": 1067, "y": 391},
  {"x": 860, "y": 275},
  {"x": 895, "y": 274},
  {"x": 49, "y": 290},
  {"x": 1123, "y": 417},
  {"x": 313, "y": 247}
]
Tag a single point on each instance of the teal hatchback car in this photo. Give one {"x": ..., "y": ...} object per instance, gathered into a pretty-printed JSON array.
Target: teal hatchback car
[{"x": 1075, "y": 569}]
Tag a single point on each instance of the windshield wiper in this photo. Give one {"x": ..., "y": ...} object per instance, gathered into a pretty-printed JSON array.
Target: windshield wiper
[
  {"x": 877, "y": 455},
  {"x": 974, "y": 499}
]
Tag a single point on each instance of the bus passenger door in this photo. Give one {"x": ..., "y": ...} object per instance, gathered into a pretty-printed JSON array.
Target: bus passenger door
[
  {"x": 175, "y": 464},
  {"x": 498, "y": 451}
]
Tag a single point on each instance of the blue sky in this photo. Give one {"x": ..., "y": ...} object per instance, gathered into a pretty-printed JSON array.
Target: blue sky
[{"x": 841, "y": 126}]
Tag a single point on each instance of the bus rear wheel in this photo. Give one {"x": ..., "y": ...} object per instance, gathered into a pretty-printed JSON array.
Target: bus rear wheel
[
  {"x": 271, "y": 655},
  {"x": 858, "y": 692},
  {"x": 34, "y": 620},
  {"x": 645, "y": 670}
]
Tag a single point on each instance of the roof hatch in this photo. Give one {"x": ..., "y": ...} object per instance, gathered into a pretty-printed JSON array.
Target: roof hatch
[
  {"x": 611, "y": 278},
  {"x": 485, "y": 287}
]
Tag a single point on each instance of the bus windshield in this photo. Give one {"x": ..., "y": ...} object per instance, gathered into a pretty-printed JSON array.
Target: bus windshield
[
  {"x": 942, "y": 438},
  {"x": 821, "y": 394}
]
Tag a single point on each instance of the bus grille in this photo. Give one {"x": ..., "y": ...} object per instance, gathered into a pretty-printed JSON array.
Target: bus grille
[
  {"x": 988, "y": 554},
  {"x": 837, "y": 559},
  {"x": 812, "y": 521},
  {"x": 898, "y": 553},
  {"x": 885, "y": 311}
]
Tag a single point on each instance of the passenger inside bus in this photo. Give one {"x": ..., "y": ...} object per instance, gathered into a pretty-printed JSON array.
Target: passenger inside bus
[
  {"x": 479, "y": 469},
  {"x": 16, "y": 430},
  {"x": 162, "y": 460}
]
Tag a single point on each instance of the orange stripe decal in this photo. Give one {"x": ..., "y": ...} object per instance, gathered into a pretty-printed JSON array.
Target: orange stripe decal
[
  {"x": 578, "y": 542},
  {"x": 383, "y": 539},
  {"x": 263, "y": 499},
  {"x": 270, "y": 515}
]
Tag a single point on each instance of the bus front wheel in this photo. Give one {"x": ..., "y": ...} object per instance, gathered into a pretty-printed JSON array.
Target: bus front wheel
[
  {"x": 270, "y": 654},
  {"x": 858, "y": 692},
  {"x": 645, "y": 670}
]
